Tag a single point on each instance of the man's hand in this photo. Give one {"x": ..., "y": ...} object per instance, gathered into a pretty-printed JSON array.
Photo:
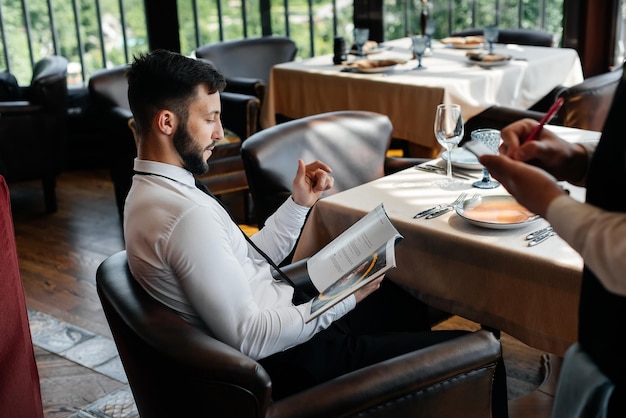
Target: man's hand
[
  {"x": 310, "y": 182},
  {"x": 564, "y": 160},
  {"x": 368, "y": 289},
  {"x": 532, "y": 187}
]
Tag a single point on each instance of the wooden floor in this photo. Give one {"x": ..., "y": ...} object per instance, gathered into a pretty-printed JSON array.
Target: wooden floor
[{"x": 59, "y": 254}]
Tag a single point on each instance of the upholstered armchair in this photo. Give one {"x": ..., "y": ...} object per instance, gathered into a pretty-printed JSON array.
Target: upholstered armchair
[
  {"x": 586, "y": 106},
  {"x": 33, "y": 130},
  {"x": 247, "y": 63},
  {"x": 353, "y": 143},
  {"x": 108, "y": 88},
  {"x": 176, "y": 370}
]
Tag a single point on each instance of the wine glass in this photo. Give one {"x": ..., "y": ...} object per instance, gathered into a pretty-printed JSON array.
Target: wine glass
[
  {"x": 431, "y": 25},
  {"x": 361, "y": 35},
  {"x": 491, "y": 138},
  {"x": 449, "y": 132},
  {"x": 419, "y": 47},
  {"x": 491, "y": 35}
]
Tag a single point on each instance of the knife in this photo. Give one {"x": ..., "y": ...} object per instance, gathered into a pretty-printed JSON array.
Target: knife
[
  {"x": 439, "y": 212},
  {"x": 440, "y": 171},
  {"x": 540, "y": 238}
]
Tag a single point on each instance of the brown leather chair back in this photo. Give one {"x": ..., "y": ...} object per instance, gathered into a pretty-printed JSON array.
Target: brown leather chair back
[
  {"x": 519, "y": 36},
  {"x": 176, "y": 370},
  {"x": 353, "y": 143},
  {"x": 587, "y": 104}
]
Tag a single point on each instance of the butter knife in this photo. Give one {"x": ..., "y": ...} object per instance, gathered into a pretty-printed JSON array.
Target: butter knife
[{"x": 433, "y": 170}]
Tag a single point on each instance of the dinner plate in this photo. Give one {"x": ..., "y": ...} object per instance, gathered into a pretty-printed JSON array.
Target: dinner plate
[
  {"x": 496, "y": 212},
  {"x": 376, "y": 50},
  {"x": 465, "y": 45},
  {"x": 462, "y": 158},
  {"x": 488, "y": 64},
  {"x": 375, "y": 70}
]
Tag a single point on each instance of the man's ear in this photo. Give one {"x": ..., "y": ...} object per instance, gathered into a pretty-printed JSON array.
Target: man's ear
[{"x": 166, "y": 122}]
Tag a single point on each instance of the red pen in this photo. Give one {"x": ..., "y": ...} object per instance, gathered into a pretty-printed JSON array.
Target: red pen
[{"x": 546, "y": 118}]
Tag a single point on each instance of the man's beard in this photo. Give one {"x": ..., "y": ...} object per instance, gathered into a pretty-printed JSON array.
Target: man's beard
[{"x": 189, "y": 151}]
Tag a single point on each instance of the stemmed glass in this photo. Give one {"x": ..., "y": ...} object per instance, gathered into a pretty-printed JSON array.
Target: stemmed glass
[
  {"x": 491, "y": 35},
  {"x": 361, "y": 35},
  {"x": 419, "y": 47},
  {"x": 431, "y": 25},
  {"x": 491, "y": 138},
  {"x": 449, "y": 132}
]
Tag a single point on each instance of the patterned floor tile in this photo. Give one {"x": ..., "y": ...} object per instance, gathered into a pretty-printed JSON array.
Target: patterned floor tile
[
  {"x": 92, "y": 352},
  {"x": 119, "y": 404},
  {"x": 114, "y": 369}
]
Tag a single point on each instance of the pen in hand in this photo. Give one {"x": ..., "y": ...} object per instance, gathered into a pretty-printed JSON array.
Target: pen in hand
[{"x": 546, "y": 118}]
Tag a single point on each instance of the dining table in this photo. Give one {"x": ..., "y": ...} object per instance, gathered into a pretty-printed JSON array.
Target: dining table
[
  {"x": 409, "y": 96},
  {"x": 486, "y": 273}
]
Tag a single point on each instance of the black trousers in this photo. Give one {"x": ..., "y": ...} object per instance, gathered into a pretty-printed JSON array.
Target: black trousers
[{"x": 386, "y": 324}]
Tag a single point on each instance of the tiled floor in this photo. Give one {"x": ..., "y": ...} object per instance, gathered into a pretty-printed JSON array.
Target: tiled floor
[{"x": 93, "y": 351}]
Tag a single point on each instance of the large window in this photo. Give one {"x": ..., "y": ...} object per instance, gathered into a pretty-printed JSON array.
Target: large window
[{"x": 94, "y": 34}]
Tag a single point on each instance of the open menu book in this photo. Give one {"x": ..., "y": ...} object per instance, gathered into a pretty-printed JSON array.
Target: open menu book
[{"x": 359, "y": 255}]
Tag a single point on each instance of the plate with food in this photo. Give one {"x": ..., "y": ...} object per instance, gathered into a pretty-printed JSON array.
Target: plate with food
[
  {"x": 370, "y": 47},
  {"x": 374, "y": 66},
  {"x": 485, "y": 59},
  {"x": 463, "y": 42},
  {"x": 496, "y": 212},
  {"x": 462, "y": 158}
]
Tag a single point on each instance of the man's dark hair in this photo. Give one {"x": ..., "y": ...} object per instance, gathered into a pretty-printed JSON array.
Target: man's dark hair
[{"x": 167, "y": 80}]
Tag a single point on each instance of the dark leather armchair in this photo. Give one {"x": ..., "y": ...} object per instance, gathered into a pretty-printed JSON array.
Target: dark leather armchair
[
  {"x": 586, "y": 106},
  {"x": 108, "y": 89},
  {"x": 353, "y": 143},
  {"x": 33, "y": 131},
  {"x": 176, "y": 370},
  {"x": 247, "y": 63},
  {"x": 517, "y": 36}
]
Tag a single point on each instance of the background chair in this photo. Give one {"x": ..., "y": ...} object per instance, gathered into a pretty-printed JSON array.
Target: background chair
[
  {"x": 586, "y": 106},
  {"x": 33, "y": 130},
  {"x": 108, "y": 88},
  {"x": 175, "y": 369},
  {"x": 247, "y": 63},
  {"x": 20, "y": 393},
  {"x": 353, "y": 143},
  {"x": 515, "y": 36}
]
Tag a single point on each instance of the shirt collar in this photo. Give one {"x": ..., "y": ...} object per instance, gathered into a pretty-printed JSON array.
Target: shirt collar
[{"x": 173, "y": 172}]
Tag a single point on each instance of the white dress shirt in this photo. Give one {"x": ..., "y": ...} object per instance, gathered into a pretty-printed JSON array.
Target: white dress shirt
[
  {"x": 187, "y": 252},
  {"x": 596, "y": 234}
]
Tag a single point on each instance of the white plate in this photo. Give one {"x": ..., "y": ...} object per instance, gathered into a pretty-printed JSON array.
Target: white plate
[
  {"x": 488, "y": 64},
  {"x": 462, "y": 158},
  {"x": 377, "y": 50},
  {"x": 496, "y": 212},
  {"x": 375, "y": 70},
  {"x": 464, "y": 46}
]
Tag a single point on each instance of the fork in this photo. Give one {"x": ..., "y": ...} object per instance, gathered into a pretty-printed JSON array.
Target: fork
[
  {"x": 441, "y": 207},
  {"x": 453, "y": 205}
]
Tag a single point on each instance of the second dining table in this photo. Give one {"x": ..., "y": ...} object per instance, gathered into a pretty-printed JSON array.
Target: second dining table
[
  {"x": 409, "y": 96},
  {"x": 488, "y": 275}
]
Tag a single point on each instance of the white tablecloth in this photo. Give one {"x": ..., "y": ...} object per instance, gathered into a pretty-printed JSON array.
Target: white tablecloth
[
  {"x": 489, "y": 276},
  {"x": 409, "y": 97}
]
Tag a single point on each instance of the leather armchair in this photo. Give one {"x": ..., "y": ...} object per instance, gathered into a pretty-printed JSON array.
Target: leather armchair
[
  {"x": 33, "y": 131},
  {"x": 108, "y": 88},
  {"x": 247, "y": 63},
  {"x": 353, "y": 143},
  {"x": 586, "y": 106},
  {"x": 517, "y": 36},
  {"x": 175, "y": 369},
  {"x": 20, "y": 393}
]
